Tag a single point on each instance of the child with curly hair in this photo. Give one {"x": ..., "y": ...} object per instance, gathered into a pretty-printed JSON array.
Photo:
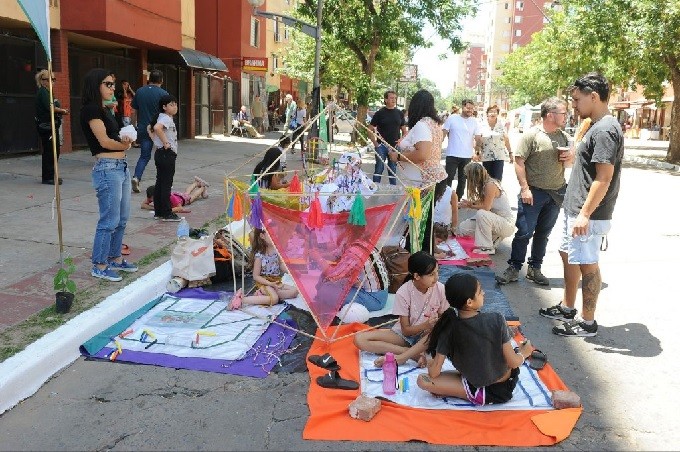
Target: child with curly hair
[{"x": 268, "y": 272}]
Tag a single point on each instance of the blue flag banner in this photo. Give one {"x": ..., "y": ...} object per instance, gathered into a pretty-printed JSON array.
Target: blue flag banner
[{"x": 38, "y": 13}]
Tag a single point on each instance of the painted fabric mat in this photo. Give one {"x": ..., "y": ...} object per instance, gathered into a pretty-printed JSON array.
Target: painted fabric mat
[
  {"x": 530, "y": 392},
  {"x": 329, "y": 418},
  {"x": 198, "y": 333},
  {"x": 462, "y": 247},
  {"x": 494, "y": 299}
]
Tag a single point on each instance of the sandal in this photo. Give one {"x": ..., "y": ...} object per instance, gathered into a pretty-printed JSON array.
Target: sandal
[
  {"x": 125, "y": 250},
  {"x": 236, "y": 301},
  {"x": 324, "y": 361},
  {"x": 332, "y": 380},
  {"x": 537, "y": 359}
]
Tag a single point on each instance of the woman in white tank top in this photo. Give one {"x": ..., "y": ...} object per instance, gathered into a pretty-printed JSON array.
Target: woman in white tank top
[{"x": 493, "y": 220}]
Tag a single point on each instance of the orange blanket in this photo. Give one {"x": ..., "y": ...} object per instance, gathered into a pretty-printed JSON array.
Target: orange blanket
[{"x": 329, "y": 418}]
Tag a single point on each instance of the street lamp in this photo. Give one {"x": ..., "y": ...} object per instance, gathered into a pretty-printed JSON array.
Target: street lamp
[{"x": 309, "y": 30}]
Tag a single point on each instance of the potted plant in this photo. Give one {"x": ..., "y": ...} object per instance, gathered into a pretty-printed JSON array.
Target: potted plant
[{"x": 65, "y": 286}]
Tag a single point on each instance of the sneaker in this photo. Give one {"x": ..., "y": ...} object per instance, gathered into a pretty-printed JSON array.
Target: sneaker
[
  {"x": 171, "y": 217},
  {"x": 488, "y": 251},
  {"x": 535, "y": 275},
  {"x": 511, "y": 274},
  {"x": 123, "y": 266},
  {"x": 106, "y": 274},
  {"x": 135, "y": 185},
  {"x": 557, "y": 312},
  {"x": 576, "y": 328}
]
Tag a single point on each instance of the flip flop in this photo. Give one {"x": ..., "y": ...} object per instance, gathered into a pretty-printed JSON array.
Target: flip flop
[
  {"x": 125, "y": 250},
  {"x": 332, "y": 380},
  {"x": 537, "y": 360},
  {"x": 324, "y": 361}
]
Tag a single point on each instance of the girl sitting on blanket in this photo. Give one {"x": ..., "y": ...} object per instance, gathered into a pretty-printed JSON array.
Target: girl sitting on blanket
[
  {"x": 267, "y": 273},
  {"x": 418, "y": 303},
  {"x": 477, "y": 343}
]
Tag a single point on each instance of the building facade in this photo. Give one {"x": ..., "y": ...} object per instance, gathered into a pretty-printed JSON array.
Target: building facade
[
  {"x": 513, "y": 22},
  {"x": 129, "y": 37}
]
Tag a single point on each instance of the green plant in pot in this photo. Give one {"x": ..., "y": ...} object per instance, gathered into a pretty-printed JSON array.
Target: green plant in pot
[{"x": 65, "y": 286}]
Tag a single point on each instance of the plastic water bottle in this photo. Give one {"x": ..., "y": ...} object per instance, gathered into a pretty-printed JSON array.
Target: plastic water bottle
[
  {"x": 389, "y": 374},
  {"x": 183, "y": 229}
]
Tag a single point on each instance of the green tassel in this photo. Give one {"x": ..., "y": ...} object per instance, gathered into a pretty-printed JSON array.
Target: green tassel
[
  {"x": 254, "y": 187},
  {"x": 357, "y": 215}
]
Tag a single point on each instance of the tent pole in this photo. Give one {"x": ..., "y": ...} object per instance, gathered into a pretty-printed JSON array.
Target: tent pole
[{"x": 55, "y": 157}]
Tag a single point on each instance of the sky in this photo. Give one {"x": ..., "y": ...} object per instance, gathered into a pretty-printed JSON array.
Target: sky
[{"x": 444, "y": 73}]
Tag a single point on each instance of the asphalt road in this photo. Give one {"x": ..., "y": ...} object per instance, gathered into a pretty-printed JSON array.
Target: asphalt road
[{"x": 626, "y": 376}]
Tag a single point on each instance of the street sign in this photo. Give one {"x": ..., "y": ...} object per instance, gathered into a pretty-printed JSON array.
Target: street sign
[{"x": 410, "y": 73}]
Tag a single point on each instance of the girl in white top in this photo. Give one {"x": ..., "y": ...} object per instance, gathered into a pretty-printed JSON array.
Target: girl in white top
[
  {"x": 419, "y": 302},
  {"x": 445, "y": 206},
  {"x": 494, "y": 220}
]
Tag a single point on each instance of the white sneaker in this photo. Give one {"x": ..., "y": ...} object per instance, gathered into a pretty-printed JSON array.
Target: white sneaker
[{"x": 488, "y": 251}]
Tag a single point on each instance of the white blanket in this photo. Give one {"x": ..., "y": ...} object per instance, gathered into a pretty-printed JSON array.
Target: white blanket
[
  {"x": 174, "y": 324},
  {"x": 530, "y": 392}
]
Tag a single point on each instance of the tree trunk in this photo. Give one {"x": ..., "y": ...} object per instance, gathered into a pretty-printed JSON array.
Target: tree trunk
[{"x": 673, "y": 154}]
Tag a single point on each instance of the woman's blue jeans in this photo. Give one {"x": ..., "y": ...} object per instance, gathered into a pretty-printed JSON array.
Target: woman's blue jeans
[
  {"x": 111, "y": 181},
  {"x": 373, "y": 301}
]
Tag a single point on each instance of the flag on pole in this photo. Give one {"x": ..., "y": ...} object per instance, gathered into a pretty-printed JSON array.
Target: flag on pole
[{"x": 38, "y": 13}]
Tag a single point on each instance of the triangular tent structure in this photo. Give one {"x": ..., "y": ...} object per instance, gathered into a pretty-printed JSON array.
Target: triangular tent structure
[
  {"x": 327, "y": 226},
  {"x": 325, "y": 262}
]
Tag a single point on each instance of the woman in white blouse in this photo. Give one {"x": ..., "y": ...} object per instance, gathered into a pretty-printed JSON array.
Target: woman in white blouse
[
  {"x": 495, "y": 144},
  {"x": 420, "y": 151}
]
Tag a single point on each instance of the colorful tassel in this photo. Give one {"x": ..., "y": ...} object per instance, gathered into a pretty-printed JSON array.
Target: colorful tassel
[
  {"x": 357, "y": 215},
  {"x": 415, "y": 210},
  {"x": 237, "y": 213},
  {"x": 230, "y": 207},
  {"x": 315, "y": 217},
  {"x": 256, "y": 216},
  {"x": 295, "y": 184},
  {"x": 254, "y": 187}
]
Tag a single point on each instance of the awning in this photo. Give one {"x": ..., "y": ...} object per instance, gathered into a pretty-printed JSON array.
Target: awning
[
  {"x": 667, "y": 99},
  {"x": 189, "y": 58}
]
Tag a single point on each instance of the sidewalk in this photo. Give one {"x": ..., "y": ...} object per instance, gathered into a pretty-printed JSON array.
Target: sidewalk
[{"x": 29, "y": 240}]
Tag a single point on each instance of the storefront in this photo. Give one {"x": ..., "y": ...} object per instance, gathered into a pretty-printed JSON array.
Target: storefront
[{"x": 22, "y": 56}]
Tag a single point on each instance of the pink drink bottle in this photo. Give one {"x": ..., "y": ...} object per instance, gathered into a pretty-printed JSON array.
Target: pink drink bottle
[{"x": 389, "y": 374}]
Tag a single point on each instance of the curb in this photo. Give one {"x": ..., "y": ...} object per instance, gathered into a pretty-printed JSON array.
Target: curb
[
  {"x": 24, "y": 373},
  {"x": 651, "y": 162}
]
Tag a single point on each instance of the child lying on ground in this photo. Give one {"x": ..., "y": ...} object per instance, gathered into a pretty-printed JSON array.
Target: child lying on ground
[{"x": 196, "y": 190}]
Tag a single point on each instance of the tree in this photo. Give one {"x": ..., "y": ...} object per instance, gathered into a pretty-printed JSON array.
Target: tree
[
  {"x": 460, "y": 93},
  {"x": 371, "y": 28},
  {"x": 339, "y": 67},
  {"x": 632, "y": 42}
]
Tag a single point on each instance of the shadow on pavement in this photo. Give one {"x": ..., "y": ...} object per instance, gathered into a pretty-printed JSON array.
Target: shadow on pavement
[{"x": 631, "y": 339}]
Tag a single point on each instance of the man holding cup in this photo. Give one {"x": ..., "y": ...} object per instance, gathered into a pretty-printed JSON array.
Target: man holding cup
[{"x": 539, "y": 166}]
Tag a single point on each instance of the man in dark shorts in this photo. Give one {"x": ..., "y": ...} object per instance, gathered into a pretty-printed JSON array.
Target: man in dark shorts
[{"x": 387, "y": 126}]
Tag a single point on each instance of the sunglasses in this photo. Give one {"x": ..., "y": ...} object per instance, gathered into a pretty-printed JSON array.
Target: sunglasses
[
  {"x": 109, "y": 85},
  {"x": 45, "y": 79}
]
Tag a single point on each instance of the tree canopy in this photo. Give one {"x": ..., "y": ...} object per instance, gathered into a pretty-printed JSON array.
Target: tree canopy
[
  {"x": 631, "y": 42},
  {"x": 372, "y": 30}
]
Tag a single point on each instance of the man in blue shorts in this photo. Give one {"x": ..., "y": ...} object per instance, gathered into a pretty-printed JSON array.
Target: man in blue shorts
[{"x": 588, "y": 206}]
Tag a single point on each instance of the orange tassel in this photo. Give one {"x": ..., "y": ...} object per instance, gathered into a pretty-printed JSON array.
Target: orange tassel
[{"x": 238, "y": 207}]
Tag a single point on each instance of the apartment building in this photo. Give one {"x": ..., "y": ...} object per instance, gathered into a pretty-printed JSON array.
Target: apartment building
[{"x": 512, "y": 25}]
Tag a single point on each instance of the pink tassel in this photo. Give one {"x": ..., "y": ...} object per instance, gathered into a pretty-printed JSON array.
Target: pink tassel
[{"x": 315, "y": 218}]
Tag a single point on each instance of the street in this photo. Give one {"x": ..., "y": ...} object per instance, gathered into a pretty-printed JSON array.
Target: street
[{"x": 626, "y": 376}]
